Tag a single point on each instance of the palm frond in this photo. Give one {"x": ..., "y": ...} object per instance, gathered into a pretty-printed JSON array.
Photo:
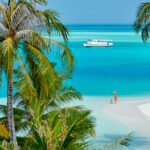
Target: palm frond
[
  {"x": 27, "y": 5},
  {"x": 145, "y": 32},
  {"x": 64, "y": 95},
  {"x": 4, "y": 132},
  {"x": 143, "y": 20},
  {"x": 123, "y": 141},
  {"x": 25, "y": 84},
  {"x": 67, "y": 128},
  {"x": 33, "y": 38},
  {"x": 79, "y": 126},
  {"x": 44, "y": 63},
  {"x": 4, "y": 29},
  {"x": 3, "y": 10},
  {"x": 6, "y": 146},
  {"x": 64, "y": 51},
  {"x": 21, "y": 118},
  {"x": 40, "y": 2},
  {"x": 8, "y": 50},
  {"x": 53, "y": 25},
  {"x": 143, "y": 12}
]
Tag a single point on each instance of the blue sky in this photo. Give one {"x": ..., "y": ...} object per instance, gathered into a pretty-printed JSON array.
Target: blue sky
[{"x": 96, "y": 11}]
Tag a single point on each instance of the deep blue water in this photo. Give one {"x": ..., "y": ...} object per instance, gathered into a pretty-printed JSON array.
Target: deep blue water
[{"x": 100, "y": 27}]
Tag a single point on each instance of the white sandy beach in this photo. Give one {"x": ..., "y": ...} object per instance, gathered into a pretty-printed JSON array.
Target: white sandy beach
[
  {"x": 131, "y": 114},
  {"x": 131, "y": 111},
  {"x": 134, "y": 113},
  {"x": 145, "y": 109}
]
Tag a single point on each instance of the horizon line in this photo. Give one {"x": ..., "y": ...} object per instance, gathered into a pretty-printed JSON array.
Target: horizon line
[{"x": 98, "y": 24}]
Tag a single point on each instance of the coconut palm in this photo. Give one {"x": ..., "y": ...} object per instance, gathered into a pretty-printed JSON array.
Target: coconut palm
[
  {"x": 50, "y": 126},
  {"x": 21, "y": 25},
  {"x": 57, "y": 99},
  {"x": 65, "y": 129},
  {"x": 143, "y": 20}
]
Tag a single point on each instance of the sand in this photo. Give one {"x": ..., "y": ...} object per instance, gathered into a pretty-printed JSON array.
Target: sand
[
  {"x": 145, "y": 109},
  {"x": 132, "y": 113}
]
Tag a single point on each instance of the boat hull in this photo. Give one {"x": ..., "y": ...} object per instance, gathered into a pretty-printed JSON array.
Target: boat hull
[{"x": 97, "y": 45}]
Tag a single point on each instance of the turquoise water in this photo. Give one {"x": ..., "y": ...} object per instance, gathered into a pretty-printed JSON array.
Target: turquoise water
[{"x": 124, "y": 68}]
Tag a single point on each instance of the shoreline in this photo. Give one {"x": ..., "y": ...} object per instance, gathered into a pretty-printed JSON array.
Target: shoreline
[
  {"x": 117, "y": 120},
  {"x": 131, "y": 111},
  {"x": 139, "y": 103},
  {"x": 131, "y": 114}
]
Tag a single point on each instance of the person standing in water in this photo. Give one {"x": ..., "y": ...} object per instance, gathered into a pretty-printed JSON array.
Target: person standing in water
[
  {"x": 115, "y": 95},
  {"x": 111, "y": 100}
]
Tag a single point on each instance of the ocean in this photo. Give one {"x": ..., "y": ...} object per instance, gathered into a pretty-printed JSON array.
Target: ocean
[
  {"x": 124, "y": 68},
  {"x": 99, "y": 71}
]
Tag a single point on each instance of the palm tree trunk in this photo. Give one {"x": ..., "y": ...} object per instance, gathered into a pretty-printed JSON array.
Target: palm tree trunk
[{"x": 11, "y": 124}]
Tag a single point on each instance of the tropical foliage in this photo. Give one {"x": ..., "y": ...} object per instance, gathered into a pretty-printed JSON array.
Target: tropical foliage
[
  {"x": 119, "y": 142},
  {"x": 66, "y": 128},
  {"x": 4, "y": 131},
  {"x": 23, "y": 112},
  {"x": 47, "y": 125},
  {"x": 143, "y": 20},
  {"x": 21, "y": 27},
  {"x": 6, "y": 146}
]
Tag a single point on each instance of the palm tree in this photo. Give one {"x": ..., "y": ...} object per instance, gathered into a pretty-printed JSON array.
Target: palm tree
[
  {"x": 64, "y": 129},
  {"x": 58, "y": 129},
  {"x": 57, "y": 98},
  {"x": 21, "y": 25},
  {"x": 143, "y": 21},
  {"x": 49, "y": 125}
]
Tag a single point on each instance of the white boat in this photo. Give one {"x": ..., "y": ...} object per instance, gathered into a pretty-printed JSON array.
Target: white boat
[{"x": 98, "y": 43}]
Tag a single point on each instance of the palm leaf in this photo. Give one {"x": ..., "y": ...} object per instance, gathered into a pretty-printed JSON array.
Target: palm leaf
[
  {"x": 8, "y": 50},
  {"x": 4, "y": 132},
  {"x": 45, "y": 64},
  {"x": 50, "y": 19},
  {"x": 123, "y": 141},
  {"x": 143, "y": 20},
  {"x": 66, "y": 55},
  {"x": 26, "y": 85},
  {"x": 64, "y": 95}
]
